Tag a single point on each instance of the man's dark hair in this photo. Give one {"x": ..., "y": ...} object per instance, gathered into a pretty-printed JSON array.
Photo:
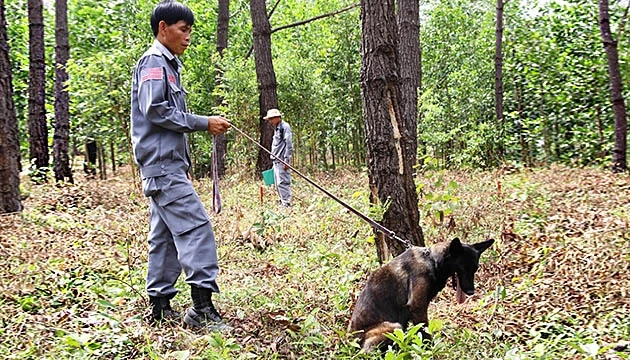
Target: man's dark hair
[{"x": 171, "y": 12}]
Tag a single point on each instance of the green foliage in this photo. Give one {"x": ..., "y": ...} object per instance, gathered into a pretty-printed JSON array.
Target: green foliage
[
  {"x": 219, "y": 348},
  {"x": 309, "y": 333},
  {"x": 269, "y": 222},
  {"x": 100, "y": 67},
  {"x": 554, "y": 335},
  {"x": 412, "y": 345},
  {"x": 555, "y": 72},
  {"x": 457, "y": 79},
  {"x": 556, "y": 104},
  {"x": 439, "y": 199}
]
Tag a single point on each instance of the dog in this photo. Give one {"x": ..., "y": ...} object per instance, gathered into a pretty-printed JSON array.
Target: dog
[{"x": 401, "y": 290}]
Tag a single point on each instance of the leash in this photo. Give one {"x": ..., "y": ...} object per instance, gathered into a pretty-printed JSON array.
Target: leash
[
  {"x": 390, "y": 234},
  {"x": 216, "y": 195}
]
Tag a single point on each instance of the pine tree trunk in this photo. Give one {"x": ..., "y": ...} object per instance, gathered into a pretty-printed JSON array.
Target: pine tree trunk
[
  {"x": 10, "y": 200},
  {"x": 37, "y": 127},
  {"x": 267, "y": 85},
  {"x": 91, "y": 155},
  {"x": 102, "y": 166},
  {"x": 498, "y": 78},
  {"x": 61, "y": 161},
  {"x": 616, "y": 94},
  {"x": 222, "y": 42},
  {"x": 409, "y": 55},
  {"x": 112, "y": 156},
  {"x": 410, "y": 70},
  {"x": 390, "y": 169}
]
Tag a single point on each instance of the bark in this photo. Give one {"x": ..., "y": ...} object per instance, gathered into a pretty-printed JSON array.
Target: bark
[
  {"x": 112, "y": 156},
  {"x": 37, "y": 127},
  {"x": 273, "y": 9},
  {"x": 616, "y": 94},
  {"x": 409, "y": 55},
  {"x": 61, "y": 161},
  {"x": 498, "y": 76},
  {"x": 102, "y": 166},
  {"x": 222, "y": 42},
  {"x": 390, "y": 165},
  {"x": 89, "y": 166},
  {"x": 267, "y": 84},
  {"x": 10, "y": 200}
]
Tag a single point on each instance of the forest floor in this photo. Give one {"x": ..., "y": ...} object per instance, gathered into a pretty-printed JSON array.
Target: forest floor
[{"x": 556, "y": 283}]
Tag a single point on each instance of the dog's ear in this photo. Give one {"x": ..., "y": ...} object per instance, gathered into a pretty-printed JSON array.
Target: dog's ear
[
  {"x": 455, "y": 246},
  {"x": 482, "y": 246}
]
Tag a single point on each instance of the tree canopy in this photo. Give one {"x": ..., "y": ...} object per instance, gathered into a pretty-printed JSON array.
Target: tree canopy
[{"x": 556, "y": 103}]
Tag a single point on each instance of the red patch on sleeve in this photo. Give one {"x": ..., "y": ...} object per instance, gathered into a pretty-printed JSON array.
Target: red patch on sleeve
[
  {"x": 171, "y": 78},
  {"x": 151, "y": 74}
]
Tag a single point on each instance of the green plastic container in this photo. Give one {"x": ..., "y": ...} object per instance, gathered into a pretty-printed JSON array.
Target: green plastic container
[{"x": 268, "y": 177}]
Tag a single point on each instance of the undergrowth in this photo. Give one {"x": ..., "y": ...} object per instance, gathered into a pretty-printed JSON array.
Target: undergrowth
[{"x": 553, "y": 286}]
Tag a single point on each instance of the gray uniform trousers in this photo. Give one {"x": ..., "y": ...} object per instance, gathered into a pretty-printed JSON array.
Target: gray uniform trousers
[
  {"x": 282, "y": 178},
  {"x": 180, "y": 237}
]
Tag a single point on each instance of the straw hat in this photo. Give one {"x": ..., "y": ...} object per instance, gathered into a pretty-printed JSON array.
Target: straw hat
[{"x": 272, "y": 113}]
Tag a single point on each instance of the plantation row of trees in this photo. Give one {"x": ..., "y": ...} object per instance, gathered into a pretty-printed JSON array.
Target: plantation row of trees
[
  {"x": 507, "y": 81},
  {"x": 555, "y": 82}
]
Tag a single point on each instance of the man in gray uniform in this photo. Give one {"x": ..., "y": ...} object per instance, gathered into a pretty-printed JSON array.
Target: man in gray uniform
[
  {"x": 180, "y": 234},
  {"x": 281, "y": 148}
]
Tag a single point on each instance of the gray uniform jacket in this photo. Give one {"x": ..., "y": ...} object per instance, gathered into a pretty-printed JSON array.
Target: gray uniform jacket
[
  {"x": 282, "y": 145},
  {"x": 159, "y": 121},
  {"x": 282, "y": 148}
]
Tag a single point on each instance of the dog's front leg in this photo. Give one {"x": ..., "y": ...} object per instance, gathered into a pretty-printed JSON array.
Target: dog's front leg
[
  {"x": 419, "y": 316},
  {"x": 418, "y": 305}
]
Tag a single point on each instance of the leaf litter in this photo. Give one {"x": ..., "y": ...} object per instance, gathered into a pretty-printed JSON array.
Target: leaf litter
[{"x": 73, "y": 263}]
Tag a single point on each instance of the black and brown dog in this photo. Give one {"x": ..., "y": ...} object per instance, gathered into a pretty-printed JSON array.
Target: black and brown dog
[{"x": 401, "y": 290}]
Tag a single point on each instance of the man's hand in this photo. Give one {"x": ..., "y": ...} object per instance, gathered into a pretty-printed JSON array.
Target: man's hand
[{"x": 217, "y": 125}]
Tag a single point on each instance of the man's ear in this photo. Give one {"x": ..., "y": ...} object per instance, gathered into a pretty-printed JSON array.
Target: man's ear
[{"x": 162, "y": 26}]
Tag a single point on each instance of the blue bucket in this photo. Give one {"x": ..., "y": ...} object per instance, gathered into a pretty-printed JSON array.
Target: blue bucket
[{"x": 268, "y": 177}]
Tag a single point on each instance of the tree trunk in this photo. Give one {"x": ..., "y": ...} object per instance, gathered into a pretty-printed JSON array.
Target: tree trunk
[
  {"x": 410, "y": 70},
  {"x": 89, "y": 166},
  {"x": 390, "y": 165},
  {"x": 102, "y": 166},
  {"x": 37, "y": 128},
  {"x": 10, "y": 200},
  {"x": 223, "y": 21},
  {"x": 112, "y": 156},
  {"x": 61, "y": 160},
  {"x": 409, "y": 51},
  {"x": 267, "y": 85},
  {"x": 616, "y": 95},
  {"x": 498, "y": 78}
]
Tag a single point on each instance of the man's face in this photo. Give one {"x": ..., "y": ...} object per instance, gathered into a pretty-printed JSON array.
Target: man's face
[
  {"x": 176, "y": 37},
  {"x": 274, "y": 121}
]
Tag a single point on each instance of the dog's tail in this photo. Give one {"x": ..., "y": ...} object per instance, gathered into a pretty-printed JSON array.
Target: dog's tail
[{"x": 375, "y": 336}]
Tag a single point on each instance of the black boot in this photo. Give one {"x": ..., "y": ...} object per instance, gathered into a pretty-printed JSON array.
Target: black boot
[
  {"x": 161, "y": 309},
  {"x": 203, "y": 313}
]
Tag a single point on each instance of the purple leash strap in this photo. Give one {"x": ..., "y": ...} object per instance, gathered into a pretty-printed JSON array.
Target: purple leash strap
[{"x": 216, "y": 195}]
